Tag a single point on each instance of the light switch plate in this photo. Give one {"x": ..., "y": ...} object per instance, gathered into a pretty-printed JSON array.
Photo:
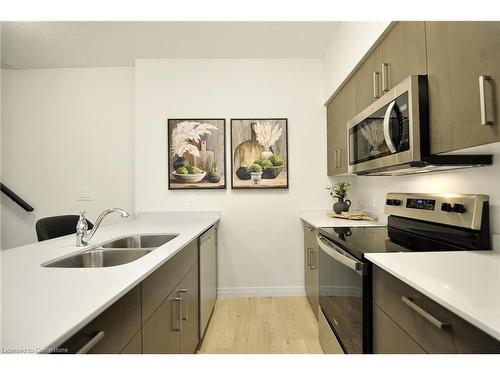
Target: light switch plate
[
  {"x": 191, "y": 200},
  {"x": 86, "y": 194}
]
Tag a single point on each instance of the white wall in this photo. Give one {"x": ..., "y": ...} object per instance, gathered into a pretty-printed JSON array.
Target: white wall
[
  {"x": 261, "y": 248},
  {"x": 62, "y": 130},
  {"x": 350, "y": 42}
]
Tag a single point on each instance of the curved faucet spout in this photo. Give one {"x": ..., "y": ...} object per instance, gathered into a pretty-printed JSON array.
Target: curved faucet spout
[{"x": 83, "y": 235}]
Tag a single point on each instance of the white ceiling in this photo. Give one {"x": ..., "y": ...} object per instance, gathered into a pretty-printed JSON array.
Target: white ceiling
[{"x": 28, "y": 45}]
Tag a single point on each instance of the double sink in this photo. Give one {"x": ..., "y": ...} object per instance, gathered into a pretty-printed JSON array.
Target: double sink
[{"x": 113, "y": 253}]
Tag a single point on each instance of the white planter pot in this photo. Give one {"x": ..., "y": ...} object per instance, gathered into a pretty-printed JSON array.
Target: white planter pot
[{"x": 256, "y": 177}]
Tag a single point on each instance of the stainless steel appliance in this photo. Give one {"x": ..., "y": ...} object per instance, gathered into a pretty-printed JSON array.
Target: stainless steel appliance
[
  {"x": 391, "y": 137},
  {"x": 208, "y": 276},
  {"x": 417, "y": 222}
]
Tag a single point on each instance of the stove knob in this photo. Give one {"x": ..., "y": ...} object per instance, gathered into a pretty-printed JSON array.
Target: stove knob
[
  {"x": 389, "y": 202},
  {"x": 446, "y": 207},
  {"x": 396, "y": 202},
  {"x": 458, "y": 207}
]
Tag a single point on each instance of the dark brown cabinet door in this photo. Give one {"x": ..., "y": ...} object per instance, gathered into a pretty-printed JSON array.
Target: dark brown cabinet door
[
  {"x": 134, "y": 346},
  {"x": 403, "y": 53},
  {"x": 389, "y": 338},
  {"x": 458, "y": 53},
  {"x": 368, "y": 89},
  {"x": 339, "y": 111},
  {"x": 188, "y": 292},
  {"x": 161, "y": 333}
]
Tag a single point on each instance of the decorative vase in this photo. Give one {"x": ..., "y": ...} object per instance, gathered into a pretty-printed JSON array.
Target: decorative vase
[
  {"x": 256, "y": 177},
  {"x": 266, "y": 154},
  {"x": 213, "y": 177},
  {"x": 179, "y": 163},
  {"x": 242, "y": 173},
  {"x": 341, "y": 206}
]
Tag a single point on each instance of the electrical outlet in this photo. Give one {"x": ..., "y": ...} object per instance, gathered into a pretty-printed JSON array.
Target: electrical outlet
[
  {"x": 86, "y": 194},
  {"x": 191, "y": 200}
]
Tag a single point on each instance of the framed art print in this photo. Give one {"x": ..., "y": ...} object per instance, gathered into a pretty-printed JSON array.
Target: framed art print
[
  {"x": 259, "y": 153},
  {"x": 196, "y": 154}
]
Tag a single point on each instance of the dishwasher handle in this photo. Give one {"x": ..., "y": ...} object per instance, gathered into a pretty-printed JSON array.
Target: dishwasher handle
[{"x": 340, "y": 255}]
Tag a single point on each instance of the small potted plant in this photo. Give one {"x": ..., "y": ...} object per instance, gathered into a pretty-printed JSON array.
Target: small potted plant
[
  {"x": 255, "y": 171},
  {"x": 213, "y": 176},
  {"x": 339, "y": 191}
]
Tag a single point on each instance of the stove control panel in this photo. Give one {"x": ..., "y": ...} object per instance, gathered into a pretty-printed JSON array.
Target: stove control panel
[{"x": 463, "y": 210}]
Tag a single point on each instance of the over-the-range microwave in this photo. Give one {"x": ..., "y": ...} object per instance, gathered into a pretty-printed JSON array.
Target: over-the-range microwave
[{"x": 391, "y": 136}]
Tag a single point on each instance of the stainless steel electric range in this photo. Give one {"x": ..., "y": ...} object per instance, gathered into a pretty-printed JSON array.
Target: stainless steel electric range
[{"x": 416, "y": 222}]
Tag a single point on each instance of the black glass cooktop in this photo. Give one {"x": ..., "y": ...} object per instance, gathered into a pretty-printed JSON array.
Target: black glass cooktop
[
  {"x": 403, "y": 235},
  {"x": 362, "y": 240}
]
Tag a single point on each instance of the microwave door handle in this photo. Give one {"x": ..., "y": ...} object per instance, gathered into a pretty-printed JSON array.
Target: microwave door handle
[
  {"x": 346, "y": 261},
  {"x": 387, "y": 133}
]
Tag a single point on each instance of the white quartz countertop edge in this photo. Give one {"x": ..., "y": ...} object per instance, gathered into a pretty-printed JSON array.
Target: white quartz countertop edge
[
  {"x": 437, "y": 275},
  {"x": 43, "y": 307}
]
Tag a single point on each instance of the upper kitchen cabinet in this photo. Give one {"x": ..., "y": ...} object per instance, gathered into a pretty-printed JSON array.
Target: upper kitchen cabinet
[
  {"x": 403, "y": 54},
  {"x": 368, "y": 80},
  {"x": 339, "y": 111},
  {"x": 464, "y": 71}
]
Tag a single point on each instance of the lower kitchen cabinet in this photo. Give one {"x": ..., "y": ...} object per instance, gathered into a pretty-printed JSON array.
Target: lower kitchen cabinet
[
  {"x": 311, "y": 268},
  {"x": 159, "y": 316},
  {"x": 406, "y": 321},
  {"x": 110, "y": 332},
  {"x": 134, "y": 346}
]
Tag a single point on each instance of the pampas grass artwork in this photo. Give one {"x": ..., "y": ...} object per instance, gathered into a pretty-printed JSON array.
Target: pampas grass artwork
[
  {"x": 267, "y": 133},
  {"x": 186, "y": 132}
]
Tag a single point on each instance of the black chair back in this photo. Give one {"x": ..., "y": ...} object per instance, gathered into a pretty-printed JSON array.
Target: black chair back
[{"x": 57, "y": 226}]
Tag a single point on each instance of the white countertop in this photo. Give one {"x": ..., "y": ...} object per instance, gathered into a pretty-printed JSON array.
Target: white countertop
[
  {"x": 42, "y": 307},
  {"x": 465, "y": 282},
  {"x": 321, "y": 219}
]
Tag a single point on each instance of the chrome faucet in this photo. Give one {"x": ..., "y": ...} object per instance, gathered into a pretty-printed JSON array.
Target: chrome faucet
[{"x": 83, "y": 235}]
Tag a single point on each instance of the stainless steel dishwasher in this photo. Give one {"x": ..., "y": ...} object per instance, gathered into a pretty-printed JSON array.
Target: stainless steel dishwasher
[{"x": 208, "y": 276}]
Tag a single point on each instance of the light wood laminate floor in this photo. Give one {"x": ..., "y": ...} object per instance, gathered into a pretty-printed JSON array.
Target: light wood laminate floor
[{"x": 274, "y": 325}]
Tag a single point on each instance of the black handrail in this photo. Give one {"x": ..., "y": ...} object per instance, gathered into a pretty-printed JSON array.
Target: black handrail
[{"x": 16, "y": 198}]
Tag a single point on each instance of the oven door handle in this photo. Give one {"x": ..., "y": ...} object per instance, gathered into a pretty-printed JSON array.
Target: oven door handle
[
  {"x": 331, "y": 250},
  {"x": 387, "y": 133}
]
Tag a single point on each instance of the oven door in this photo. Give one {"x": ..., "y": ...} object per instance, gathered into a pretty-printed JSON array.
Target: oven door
[
  {"x": 341, "y": 295},
  {"x": 386, "y": 133}
]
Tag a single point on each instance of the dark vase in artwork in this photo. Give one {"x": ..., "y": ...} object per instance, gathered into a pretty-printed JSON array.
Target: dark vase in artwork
[
  {"x": 242, "y": 173},
  {"x": 213, "y": 177},
  {"x": 179, "y": 163}
]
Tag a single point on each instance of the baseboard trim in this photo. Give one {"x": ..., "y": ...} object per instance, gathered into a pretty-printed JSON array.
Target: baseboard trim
[{"x": 261, "y": 291}]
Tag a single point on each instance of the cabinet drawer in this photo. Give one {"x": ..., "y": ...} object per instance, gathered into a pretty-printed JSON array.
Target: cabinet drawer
[
  {"x": 389, "y": 338},
  {"x": 157, "y": 286},
  {"x": 111, "y": 330},
  {"x": 433, "y": 327}
]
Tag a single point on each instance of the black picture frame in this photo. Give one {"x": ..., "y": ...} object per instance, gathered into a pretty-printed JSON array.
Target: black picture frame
[
  {"x": 174, "y": 121},
  {"x": 232, "y": 169}
]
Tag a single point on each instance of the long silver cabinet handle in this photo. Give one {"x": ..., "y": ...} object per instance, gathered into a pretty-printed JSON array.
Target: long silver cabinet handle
[
  {"x": 385, "y": 77},
  {"x": 179, "y": 299},
  {"x": 308, "y": 257},
  {"x": 314, "y": 255},
  {"x": 482, "y": 100},
  {"x": 91, "y": 343},
  {"x": 376, "y": 85},
  {"x": 185, "y": 291},
  {"x": 424, "y": 313}
]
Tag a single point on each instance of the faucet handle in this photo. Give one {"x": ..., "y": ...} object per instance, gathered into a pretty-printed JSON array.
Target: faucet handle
[{"x": 81, "y": 225}]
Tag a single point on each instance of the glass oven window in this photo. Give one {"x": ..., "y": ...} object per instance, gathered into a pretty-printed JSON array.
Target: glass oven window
[
  {"x": 341, "y": 300},
  {"x": 367, "y": 140}
]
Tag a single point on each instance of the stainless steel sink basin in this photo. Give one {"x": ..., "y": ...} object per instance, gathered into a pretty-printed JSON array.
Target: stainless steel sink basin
[
  {"x": 139, "y": 241},
  {"x": 113, "y": 253},
  {"x": 99, "y": 258}
]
